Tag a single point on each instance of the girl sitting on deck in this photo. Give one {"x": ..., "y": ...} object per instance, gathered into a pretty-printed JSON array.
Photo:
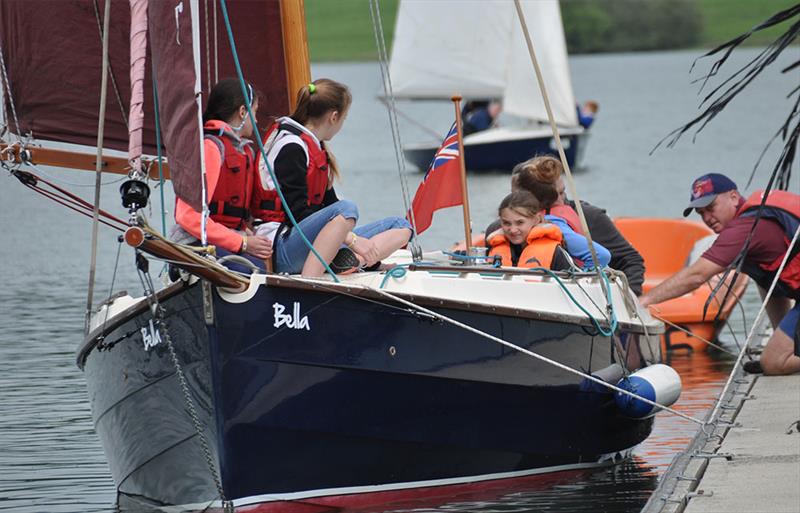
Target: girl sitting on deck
[
  {"x": 305, "y": 171},
  {"x": 230, "y": 168},
  {"x": 526, "y": 240}
]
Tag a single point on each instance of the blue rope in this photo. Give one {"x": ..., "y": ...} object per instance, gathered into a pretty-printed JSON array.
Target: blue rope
[
  {"x": 261, "y": 144},
  {"x": 158, "y": 150}
]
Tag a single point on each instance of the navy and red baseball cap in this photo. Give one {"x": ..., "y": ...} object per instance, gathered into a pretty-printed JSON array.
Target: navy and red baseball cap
[{"x": 706, "y": 188}]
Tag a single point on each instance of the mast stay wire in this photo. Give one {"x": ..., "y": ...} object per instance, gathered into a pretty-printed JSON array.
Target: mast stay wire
[
  {"x": 386, "y": 80},
  {"x": 99, "y": 165},
  {"x": 10, "y": 96}
]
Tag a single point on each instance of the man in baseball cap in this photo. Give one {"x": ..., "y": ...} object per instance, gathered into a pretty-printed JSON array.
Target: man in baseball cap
[{"x": 714, "y": 196}]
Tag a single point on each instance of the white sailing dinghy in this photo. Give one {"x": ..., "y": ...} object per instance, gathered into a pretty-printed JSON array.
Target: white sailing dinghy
[{"x": 475, "y": 48}]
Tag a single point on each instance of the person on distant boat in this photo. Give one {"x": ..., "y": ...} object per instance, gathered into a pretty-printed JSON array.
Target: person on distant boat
[
  {"x": 527, "y": 238},
  {"x": 736, "y": 220},
  {"x": 587, "y": 113},
  {"x": 230, "y": 170},
  {"x": 305, "y": 170},
  {"x": 544, "y": 177},
  {"x": 478, "y": 115}
]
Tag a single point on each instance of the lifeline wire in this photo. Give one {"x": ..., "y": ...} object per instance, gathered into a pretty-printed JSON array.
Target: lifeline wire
[
  {"x": 386, "y": 79},
  {"x": 756, "y": 323},
  {"x": 507, "y": 344},
  {"x": 224, "y": 7}
]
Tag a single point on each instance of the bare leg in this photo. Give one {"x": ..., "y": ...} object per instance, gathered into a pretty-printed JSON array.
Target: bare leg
[
  {"x": 327, "y": 243},
  {"x": 778, "y": 357},
  {"x": 777, "y": 307},
  {"x": 390, "y": 241}
]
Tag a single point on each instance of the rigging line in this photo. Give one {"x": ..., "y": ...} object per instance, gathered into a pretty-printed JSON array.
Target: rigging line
[
  {"x": 428, "y": 130},
  {"x": 111, "y": 288},
  {"x": 52, "y": 196},
  {"x": 738, "y": 299},
  {"x": 572, "y": 189},
  {"x": 113, "y": 78},
  {"x": 380, "y": 41},
  {"x": 159, "y": 313},
  {"x": 99, "y": 164},
  {"x": 258, "y": 139},
  {"x": 216, "y": 46},
  {"x": 158, "y": 150},
  {"x": 755, "y": 325},
  {"x": 500, "y": 341},
  {"x": 10, "y": 96},
  {"x": 76, "y": 199},
  {"x": 208, "y": 49},
  {"x": 698, "y": 337},
  {"x": 56, "y": 179}
]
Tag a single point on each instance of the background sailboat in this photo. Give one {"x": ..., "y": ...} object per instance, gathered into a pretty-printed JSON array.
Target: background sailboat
[{"x": 479, "y": 53}]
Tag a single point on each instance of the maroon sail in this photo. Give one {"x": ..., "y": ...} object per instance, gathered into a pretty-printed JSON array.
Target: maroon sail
[{"x": 53, "y": 60}]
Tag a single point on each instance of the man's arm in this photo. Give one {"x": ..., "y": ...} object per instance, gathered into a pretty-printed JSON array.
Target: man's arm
[{"x": 683, "y": 281}]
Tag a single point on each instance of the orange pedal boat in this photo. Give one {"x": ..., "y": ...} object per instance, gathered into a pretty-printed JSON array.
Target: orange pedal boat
[{"x": 667, "y": 246}]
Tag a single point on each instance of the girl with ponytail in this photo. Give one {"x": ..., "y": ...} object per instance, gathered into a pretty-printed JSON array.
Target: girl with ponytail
[{"x": 305, "y": 170}]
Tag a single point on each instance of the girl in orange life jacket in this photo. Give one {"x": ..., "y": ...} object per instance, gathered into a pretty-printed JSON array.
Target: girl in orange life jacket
[
  {"x": 305, "y": 171},
  {"x": 230, "y": 170},
  {"x": 524, "y": 240}
]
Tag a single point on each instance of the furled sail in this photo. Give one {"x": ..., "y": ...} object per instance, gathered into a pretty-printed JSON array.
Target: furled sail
[
  {"x": 476, "y": 48},
  {"x": 53, "y": 60}
]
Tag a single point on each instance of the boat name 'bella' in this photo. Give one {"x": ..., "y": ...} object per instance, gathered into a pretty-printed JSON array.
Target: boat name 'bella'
[
  {"x": 150, "y": 338},
  {"x": 291, "y": 320}
]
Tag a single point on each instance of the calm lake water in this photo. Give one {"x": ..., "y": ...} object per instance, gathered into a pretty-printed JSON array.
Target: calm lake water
[{"x": 50, "y": 457}]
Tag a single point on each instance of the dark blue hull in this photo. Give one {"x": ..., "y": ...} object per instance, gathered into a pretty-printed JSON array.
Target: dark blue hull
[
  {"x": 370, "y": 394},
  {"x": 503, "y": 155}
]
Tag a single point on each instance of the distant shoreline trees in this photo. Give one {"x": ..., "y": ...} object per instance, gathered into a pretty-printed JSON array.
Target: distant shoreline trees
[{"x": 594, "y": 26}]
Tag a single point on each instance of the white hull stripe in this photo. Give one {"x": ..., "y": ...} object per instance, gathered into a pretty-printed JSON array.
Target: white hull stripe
[{"x": 606, "y": 459}]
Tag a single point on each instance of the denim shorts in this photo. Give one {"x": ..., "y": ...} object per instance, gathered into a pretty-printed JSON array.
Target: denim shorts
[
  {"x": 291, "y": 251},
  {"x": 788, "y": 324}
]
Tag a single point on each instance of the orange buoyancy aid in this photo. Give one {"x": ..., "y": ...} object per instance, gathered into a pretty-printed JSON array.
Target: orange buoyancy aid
[
  {"x": 542, "y": 243},
  {"x": 230, "y": 201},
  {"x": 569, "y": 215},
  {"x": 783, "y": 207},
  {"x": 266, "y": 204}
]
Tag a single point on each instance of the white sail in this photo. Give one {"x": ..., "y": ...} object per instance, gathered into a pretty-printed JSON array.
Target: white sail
[{"x": 476, "y": 48}]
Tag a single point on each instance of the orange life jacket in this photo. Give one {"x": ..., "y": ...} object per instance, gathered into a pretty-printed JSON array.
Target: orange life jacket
[
  {"x": 542, "y": 243},
  {"x": 266, "y": 203},
  {"x": 783, "y": 207},
  {"x": 229, "y": 203},
  {"x": 568, "y": 214}
]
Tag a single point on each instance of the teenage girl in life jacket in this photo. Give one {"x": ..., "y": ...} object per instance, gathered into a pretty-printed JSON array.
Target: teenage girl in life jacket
[
  {"x": 527, "y": 239},
  {"x": 230, "y": 172},
  {"x": 305, "y": 170}
]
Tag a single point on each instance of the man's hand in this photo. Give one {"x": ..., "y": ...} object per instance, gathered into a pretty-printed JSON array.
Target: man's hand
[{"x": 685, "y": 280}]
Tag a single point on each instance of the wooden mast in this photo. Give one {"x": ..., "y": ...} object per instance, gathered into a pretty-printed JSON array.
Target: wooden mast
[{"x": 295, "y": 47}]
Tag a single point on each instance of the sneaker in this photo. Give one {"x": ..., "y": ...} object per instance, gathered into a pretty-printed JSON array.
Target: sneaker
[
  {"x": 345, "y": 262},
  {"x": 753, "y": 367}
]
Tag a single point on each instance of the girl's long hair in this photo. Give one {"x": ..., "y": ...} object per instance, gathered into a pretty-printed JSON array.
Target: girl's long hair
[{"x": 328, "y": 95}]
